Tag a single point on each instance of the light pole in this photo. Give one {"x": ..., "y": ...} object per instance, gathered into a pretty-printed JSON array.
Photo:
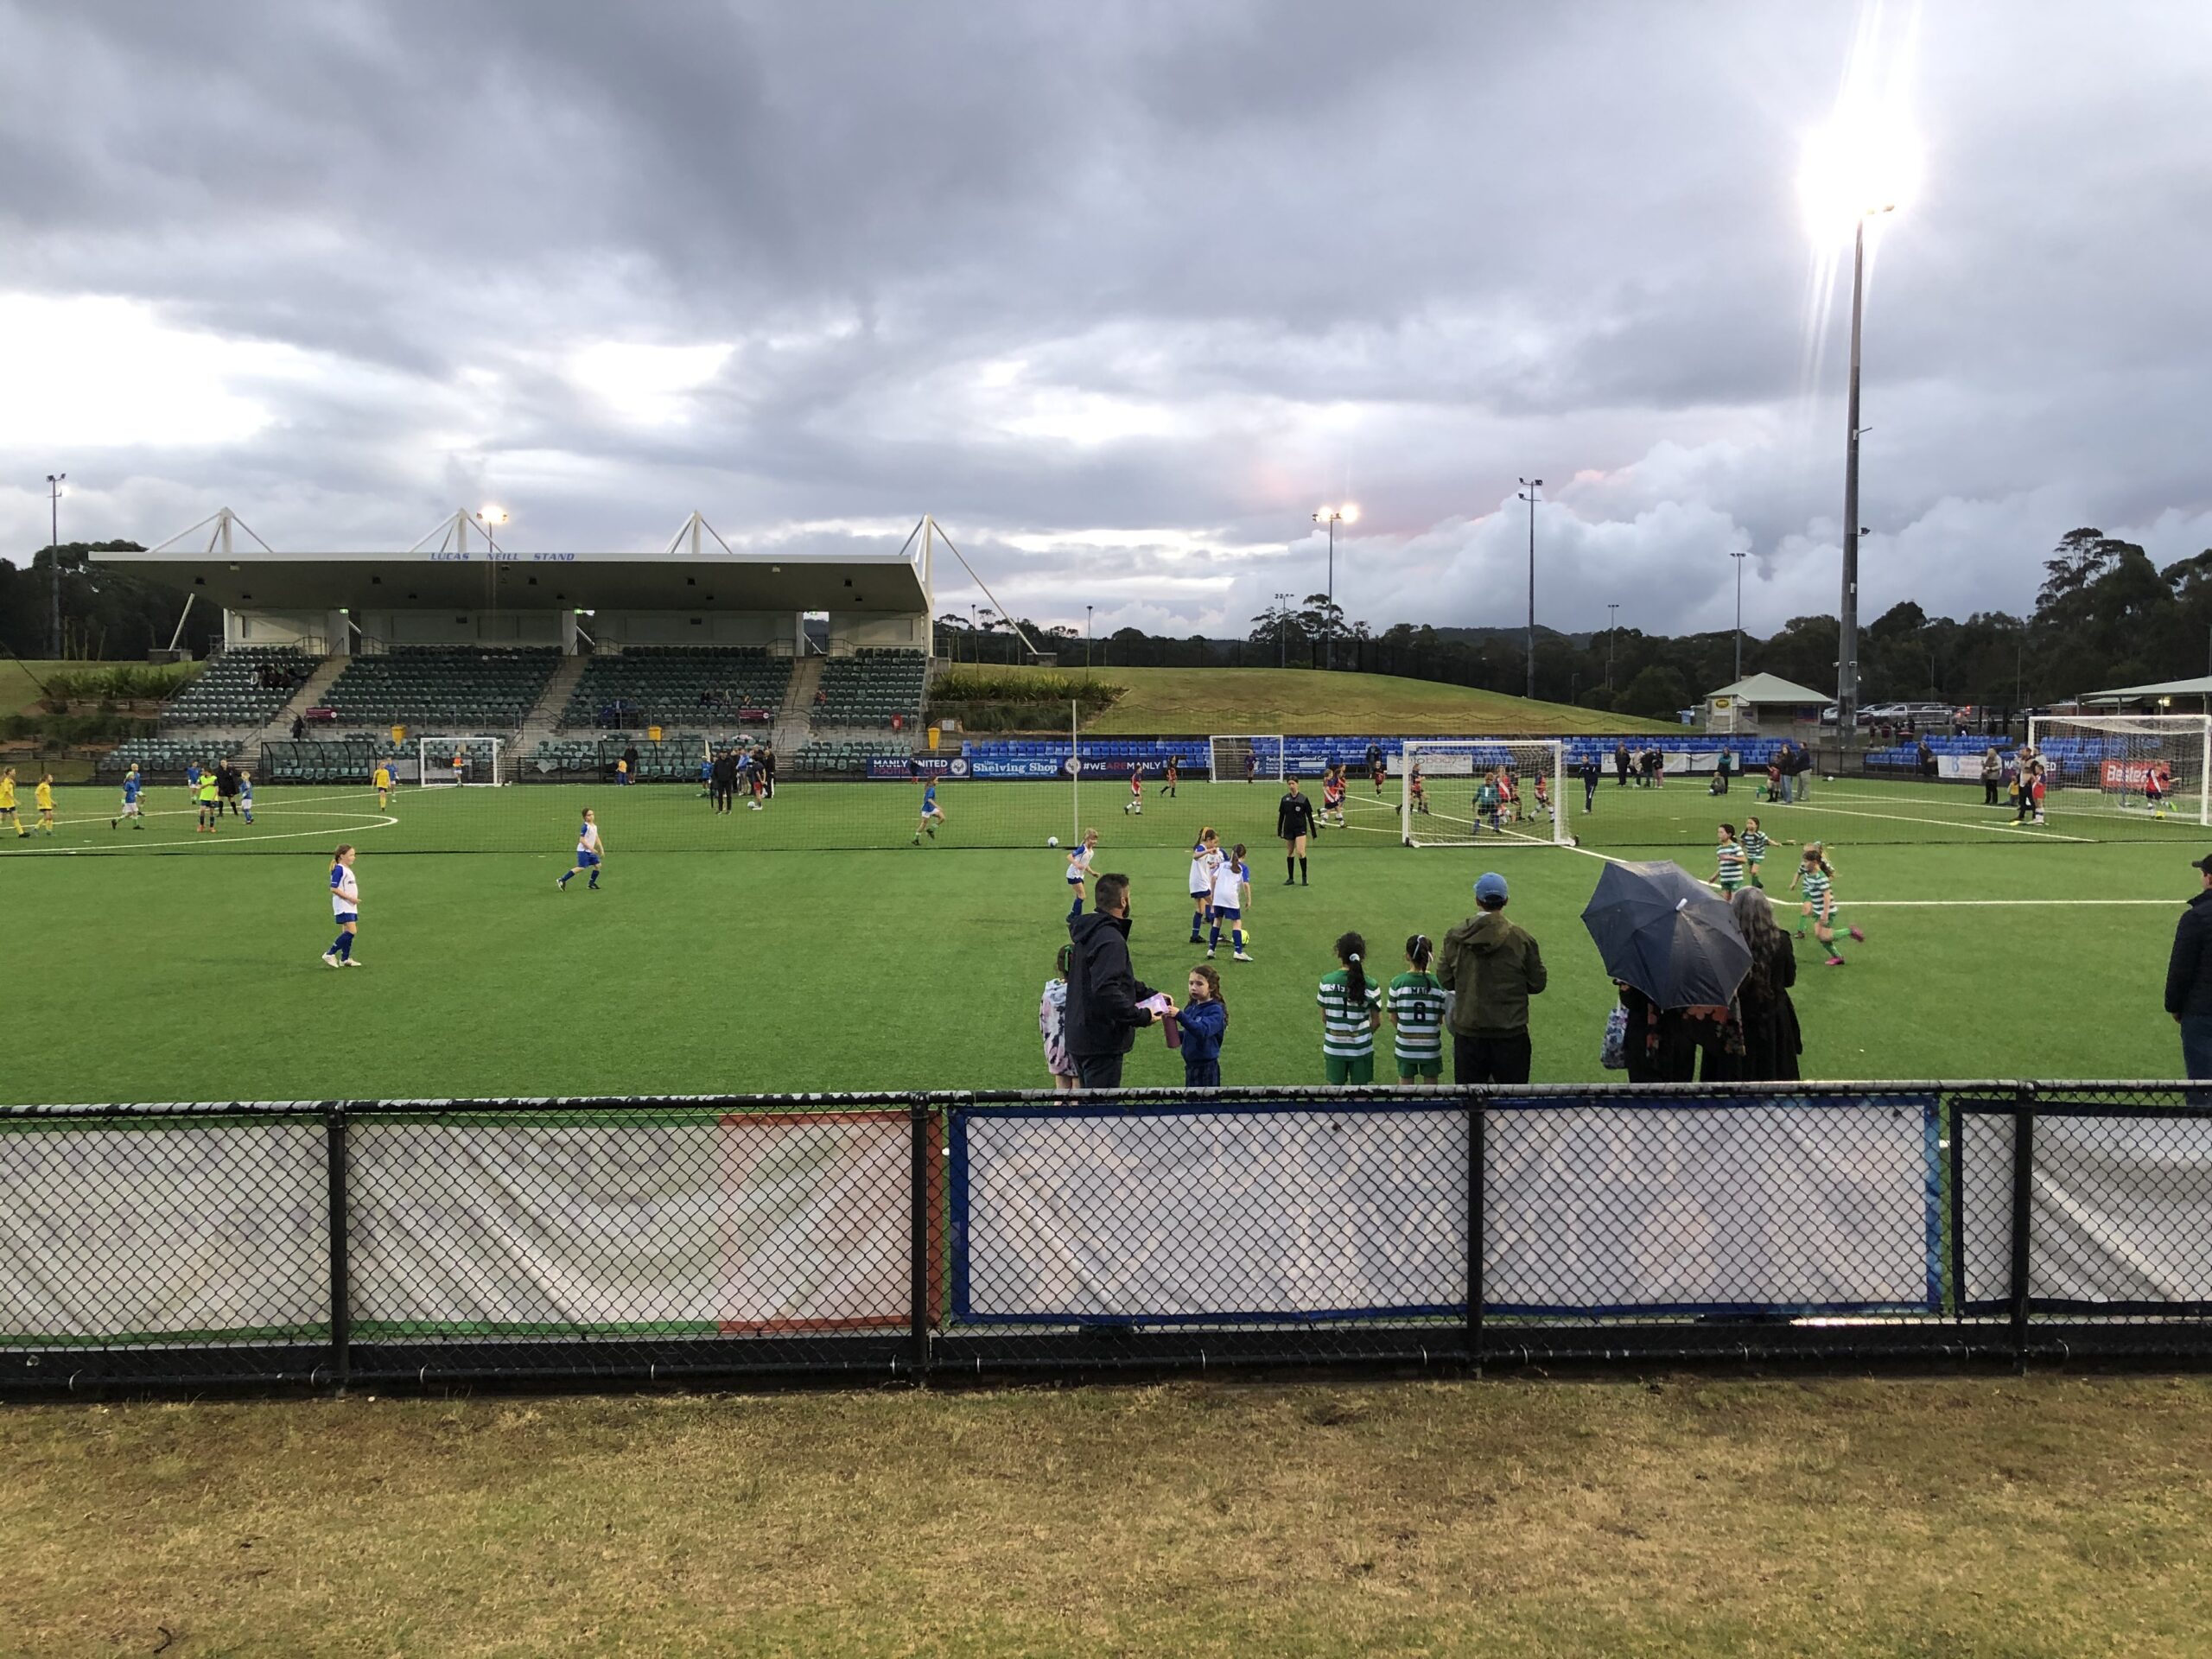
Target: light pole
[
  {"x": 1282, "y": 629},
  {"x": 1612, "y": 620},
  {"x": 1348, "y": 513},
  {"x": 1529, "y": 489},
  {"x": 1086, "y": 639},
  {"x": 53, "y": 481},
  {"x": 490, "y": 518},
  {"x": 1847, "y": 640},
  {"x": 1739, "y": 555}
]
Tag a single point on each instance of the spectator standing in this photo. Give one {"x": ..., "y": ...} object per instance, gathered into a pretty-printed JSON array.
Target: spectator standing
[
  {"x": 768, "y": 769},
  {"x": 1772, "y": 1041},
  {"x": 1620, "y": 763},
  {"x": 1924, "y": 758},
  {"x": 2189, "y": 977},
  {"x": 1660, "y": 1047},
  {"x": 1105, "y": 997},
  {"x": 1993, "y": 775},
  {"x": 1052, "y": 1024},
  {"x": 1492, "y": 968},
  {"x": 630, "y": 766},
  {"x": 299, "y": 726}
]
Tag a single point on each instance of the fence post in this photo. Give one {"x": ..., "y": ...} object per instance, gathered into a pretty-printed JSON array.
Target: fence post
[
  {"x": 341, "y": 1294},
  {"x": 2023, "y": 1165},
  {"x": 1476, "y": 1128},
  {"x": 919, "y": 1175}
]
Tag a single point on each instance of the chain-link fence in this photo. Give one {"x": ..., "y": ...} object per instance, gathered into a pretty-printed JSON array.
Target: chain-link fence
[{"x": 895, "y": 1237}]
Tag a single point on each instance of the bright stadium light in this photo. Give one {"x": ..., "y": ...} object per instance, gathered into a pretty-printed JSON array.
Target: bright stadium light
[{"x": 1863, "y": 163}]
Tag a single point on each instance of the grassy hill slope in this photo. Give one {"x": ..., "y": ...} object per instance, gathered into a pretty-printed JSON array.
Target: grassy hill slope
[{"x": 1175, "y": 701}]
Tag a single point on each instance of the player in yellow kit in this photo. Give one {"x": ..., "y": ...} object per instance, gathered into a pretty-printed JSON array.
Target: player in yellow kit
[
  {"x": 384, "y": 785},
  {"x": 44, "y": 795},
  {"x": 8, "y": 802}
]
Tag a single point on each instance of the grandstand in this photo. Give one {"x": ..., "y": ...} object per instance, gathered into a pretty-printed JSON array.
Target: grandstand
[
  {"x": 874, "y": 689},
  {"x": 665, "y": 686},
  {"x": 558, "y": 655},
  {"x": 241, "y": 688}
]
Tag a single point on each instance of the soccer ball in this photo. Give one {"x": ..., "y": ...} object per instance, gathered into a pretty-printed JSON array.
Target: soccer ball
[{"x": 1051, "y": 840}]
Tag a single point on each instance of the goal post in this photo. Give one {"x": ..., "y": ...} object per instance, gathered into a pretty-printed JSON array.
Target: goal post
[
  {"x": 448, "y": 762},
  {"x": 1449, "y": 808},
  {"x": 2120, "y": 757},
  {"x": 1249, "y": 758}
]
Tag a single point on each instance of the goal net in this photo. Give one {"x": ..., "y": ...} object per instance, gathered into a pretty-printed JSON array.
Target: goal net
[
  {"x": 449, "y": 761},
  {"x": 2144, "y": 764},
  {"x": 1471, "y": 791},
  {"x": 1245, "y": 760}
]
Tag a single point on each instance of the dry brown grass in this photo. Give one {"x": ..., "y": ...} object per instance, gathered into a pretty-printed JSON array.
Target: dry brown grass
[{"x": 1953, "y": 1517}]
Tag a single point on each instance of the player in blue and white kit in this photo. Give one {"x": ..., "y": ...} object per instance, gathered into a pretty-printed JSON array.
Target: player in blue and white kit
[
  {"x": 132, "y": 783},
  {"x": 1079, "y": 872},
  {"x": 245, "y": 795},
  {"x": 1232, "y": 895},
  {"x": 1205, "y": 859},
  {"x": 344, "y": 907},
  {"x": 588, "y": 851},
  {"x": 932, "y": 813}
]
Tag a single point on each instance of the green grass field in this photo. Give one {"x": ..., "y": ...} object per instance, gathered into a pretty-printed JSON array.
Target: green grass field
[
  {"x": 2030, "y": 1518},
  {"x": 738, "y": 967},
  {"x": 1299, "y": 701}
]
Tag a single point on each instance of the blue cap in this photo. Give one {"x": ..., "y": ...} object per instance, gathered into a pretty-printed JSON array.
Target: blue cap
[{"x": 1492, "y": 885}]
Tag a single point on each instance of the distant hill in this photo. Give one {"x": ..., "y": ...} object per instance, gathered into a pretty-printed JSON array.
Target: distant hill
[{"x": 1177, "y": 702}]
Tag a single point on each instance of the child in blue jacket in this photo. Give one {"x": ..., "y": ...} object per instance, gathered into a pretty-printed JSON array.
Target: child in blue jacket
[{"x": 1204, "y": 1019}]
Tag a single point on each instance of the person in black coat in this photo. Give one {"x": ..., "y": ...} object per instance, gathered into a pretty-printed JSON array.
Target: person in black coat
[
  {"x": 1660, "y": 1047},
  {"x": 1293, "y": 822},
  {"x": 1620, "y": 763},
  {"x": 1104, "y": 994},
  {"x": 1772, "y": 1041},
  {"x": 2188, "y": 978}
]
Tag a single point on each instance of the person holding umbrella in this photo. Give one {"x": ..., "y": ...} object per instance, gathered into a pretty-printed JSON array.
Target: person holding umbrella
[
  {"x": 1492, "y": 968},
  {"x": 1672, "y": 945}
]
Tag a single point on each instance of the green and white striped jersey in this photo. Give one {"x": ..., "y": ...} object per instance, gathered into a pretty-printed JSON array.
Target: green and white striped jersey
[
  {"x": 1731, "y": 856},
  {"x": 1816, "y": 882},
  {"x": 1347, "y": 1031},
  {"x": 1416, "y": 1002}
]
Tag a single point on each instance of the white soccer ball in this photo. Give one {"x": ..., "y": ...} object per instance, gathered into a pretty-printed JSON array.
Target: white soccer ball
[{"x": 1051, "y": 840}]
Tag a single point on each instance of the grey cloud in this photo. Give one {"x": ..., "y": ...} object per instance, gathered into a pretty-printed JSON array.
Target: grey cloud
[{"x": 1401, "y": 251}]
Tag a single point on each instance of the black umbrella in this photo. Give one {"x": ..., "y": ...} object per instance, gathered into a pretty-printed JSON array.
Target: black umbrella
[{"x": 1667, "y": 933}]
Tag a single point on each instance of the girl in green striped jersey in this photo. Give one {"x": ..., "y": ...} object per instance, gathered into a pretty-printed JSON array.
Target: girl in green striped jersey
[
  {"x": 1728, "y": 874},
  {"x": 1416, "y": 1005},
  {"x": 1816, "y": 877},
  {"x": 1350, "y": 1010},
  {"x": 1755, "y": 846}
]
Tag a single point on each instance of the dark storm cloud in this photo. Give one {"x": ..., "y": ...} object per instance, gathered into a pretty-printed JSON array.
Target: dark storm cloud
[{"x": 1119, "y": 293}]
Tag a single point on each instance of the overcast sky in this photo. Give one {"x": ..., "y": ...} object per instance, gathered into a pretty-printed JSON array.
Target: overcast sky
[{"x": 1121, "y": 292}]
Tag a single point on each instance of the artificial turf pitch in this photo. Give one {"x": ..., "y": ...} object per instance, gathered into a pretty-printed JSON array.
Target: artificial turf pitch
[{"x": 734, "y": 967}]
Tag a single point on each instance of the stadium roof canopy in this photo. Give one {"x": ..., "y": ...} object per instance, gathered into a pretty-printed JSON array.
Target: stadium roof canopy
[
  {"x": 1769, "y": 689},
  {"x": 461, "y": 566},
  {"x": 2201, "y": 687}
]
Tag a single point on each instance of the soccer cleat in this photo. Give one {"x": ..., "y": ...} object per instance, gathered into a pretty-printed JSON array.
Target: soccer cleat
[
  {"x": 1241, "y": 955},
  {"x": 1856, "y": 934},
  {"x": 1209, "y": 956},
  {"x": 330, "y": 958},
  {"x": 1287, "y": 882},
  {"x": 349, "y": 962},
  {"x": 918, "y": 840},
  {"x": 112, "y": 822},
  {"x": 562, "y": 883},
  {"x": 932, "y": 832},
  {"x": 1833, "y": 962}
]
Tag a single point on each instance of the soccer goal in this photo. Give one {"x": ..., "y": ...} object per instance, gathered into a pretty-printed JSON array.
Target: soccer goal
[
  {"x": 447, "y": 762},
  {"x": 2135, "y": 764},
  {"x": 1244, "y": 759},
  {"x": 1441, "y": 801}
]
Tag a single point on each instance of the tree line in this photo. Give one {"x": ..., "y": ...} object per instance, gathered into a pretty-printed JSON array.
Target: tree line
[
  {"x": 107, "y": 613},
  {"x": 2106, "y": 616}
]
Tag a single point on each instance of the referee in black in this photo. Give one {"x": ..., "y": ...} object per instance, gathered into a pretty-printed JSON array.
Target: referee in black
[
  {"x": 1293, "y": 822},
  {"x": 722, "y": 781}
]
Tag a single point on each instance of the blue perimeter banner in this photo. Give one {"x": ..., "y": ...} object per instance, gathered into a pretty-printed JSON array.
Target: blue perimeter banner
[{"x": 1274, "y": 1211}]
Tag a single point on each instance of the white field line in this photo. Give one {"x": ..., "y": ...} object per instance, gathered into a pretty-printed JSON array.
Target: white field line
[{"x": 133, "y": 844}]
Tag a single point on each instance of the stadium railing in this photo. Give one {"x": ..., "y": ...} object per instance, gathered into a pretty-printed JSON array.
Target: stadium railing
[{"x": 429, "y": 1243}]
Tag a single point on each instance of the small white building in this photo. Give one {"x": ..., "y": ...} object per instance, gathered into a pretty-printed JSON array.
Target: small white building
[{"x": 1761, "y": 703}]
